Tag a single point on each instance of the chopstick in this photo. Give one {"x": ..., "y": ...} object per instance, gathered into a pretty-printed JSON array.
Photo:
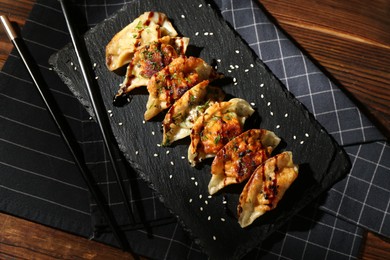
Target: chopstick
[
  {"x": 63, "y": 127},
  {"x": 96, "y": 100}
]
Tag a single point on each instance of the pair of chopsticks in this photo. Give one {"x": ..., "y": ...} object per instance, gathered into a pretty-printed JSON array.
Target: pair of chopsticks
[{"x": 62, "y": 124}]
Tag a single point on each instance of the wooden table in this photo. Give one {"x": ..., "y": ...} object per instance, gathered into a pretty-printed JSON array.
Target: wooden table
[{"x": 350, "y": 40}]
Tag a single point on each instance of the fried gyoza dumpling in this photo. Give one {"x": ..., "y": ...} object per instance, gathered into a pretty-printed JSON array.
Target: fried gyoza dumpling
[
  {"x": 169, "y": 84},
  {"x": 266, "y": 187},
  {"x": 182, "y": 115},
  {"x": 216, "y": 127},
  {"x": 147, "y": 28},
  {"x": 237, "y": 160},
  {"x": 150, "y": 59}
]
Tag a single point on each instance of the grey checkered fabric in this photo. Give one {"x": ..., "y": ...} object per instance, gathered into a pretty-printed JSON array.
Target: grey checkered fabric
[{"x": 52, "y": 192}]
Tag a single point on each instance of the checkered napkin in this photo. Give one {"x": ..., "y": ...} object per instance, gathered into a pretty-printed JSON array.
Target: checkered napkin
[{"x": 40, "y": 182}]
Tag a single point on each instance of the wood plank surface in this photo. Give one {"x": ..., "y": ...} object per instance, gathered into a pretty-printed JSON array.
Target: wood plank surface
[{"x": 350, "y": 40}]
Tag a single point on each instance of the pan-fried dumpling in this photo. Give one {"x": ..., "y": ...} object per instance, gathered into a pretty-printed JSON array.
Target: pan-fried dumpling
[
  {"x": 147, "y": 28},
  {"x": 169, "y": 84},
  {"x": 149, "y": 60},
  {"x": 237, "y": 160},
  {"x": 216, "y": 127},
  {"x": 266, "y": 187},
  {"x": 182, "y": 115}
]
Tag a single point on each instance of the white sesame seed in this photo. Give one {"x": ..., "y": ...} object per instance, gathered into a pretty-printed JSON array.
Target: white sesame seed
[
  {"x": 215, "y": 67},
  {"x": 251, "y": 65},
  {"x": 229, "y": 71},
  {"x": 167, "y": 152},
  {"x": 50, "y": 68},
  {"x": 143, "y": 122},
  {"x": 109, "y": 111},
  {"x": 262, "y": 95},
  {"x": 235, "y": 83},
  {"x": 201, "y": 208},
  {"x": 172, "y": 163},
  {"x": 234, "y": 80},
  {"x": 158, "y": 145},
  {"x": 75, "y": 68},
  {"x": 196, "y": 183},
  {"x": 286, "y": 115},
  {"x": 183, "y": 157},
  {"x": 306, "y": 134},
  {"x": 200, "y": 5},
  {"x": 236, "y": 66},
  {"x": 222, "y": 219},
  {"x": 183, "y": 16},
  {"x": 155, "y": 155},
  {"x": 120, "y": 123},
  {"x": 90, "y": 118},
  {"x": 246, "y": 70},
  {"x": 206, "y": 33},
  {"x": 71, "y": 63},
  {"x": 302, "y": 142},
  {"x": 120, "y": 85},
  {"x": 190, "y": 201},
  {"x": 209, "y": 218},
  {"x": 269, "y": 103},
  {"x": 110, "y": 115},
  {"x": 197, "y": 33},
  {"x": 153, "y": 133},
  {"x": 224, "y": 202},
  {"x": 253, "y": 104},
  {"x": 193, "y": 178},
  {"x": 170, "y": 176},
  {"x": 232, "y": 67},
  {"x": 271, "y": 113},
  {"x": 237, "y": 51},
  {"x": 294, "y": 137},
  {"x": 278, "y": 126},
  {"x": 209, "y": 196},
  {"x": 214, "y": 238},
  {"x": 94, "y": 65},
  {"x": 200, "y": 196},
  {"x": 137, "y": 152},
  {"x": 211, "y": 33},
  {"x": 219, "y": 60},
  {"x": 206, "y": 202},
  {"x": 261, "y": 85}
]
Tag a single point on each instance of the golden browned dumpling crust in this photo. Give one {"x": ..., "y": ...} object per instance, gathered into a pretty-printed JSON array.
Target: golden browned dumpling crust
[
  {"x": 216, "y": 127},
  {"x": 237, "y": 160},
  {"x": 182, "y": 115},
  {"x": 149, "y": 60},
  {"x": 169, "y": 84},
  {"x": 145, "y": 29},
  {"x": 266, "y": 187}
]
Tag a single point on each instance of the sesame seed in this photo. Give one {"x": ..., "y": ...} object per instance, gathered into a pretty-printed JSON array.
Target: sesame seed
[
  {"x": 209, "y": 196},
  {"x": 193, "y": 178},
  {"x": 120, "y": 123},
  {"x": 261, "y": 85},
  {"x": 183, "y": 157},
  {"x": 214, "y": 238},
  {"x": 294, "y": 137},
  {"x": 153, "y": 133},
  {"x": 269, "y": 103},
  {"x": 94, "y": 65},
  {"x": 170, "y": 176},
  {"x": 75, "y": 68},
  {"x": 234, "y": 80},
  {"x": 236, "y": 66},
  {"x": 215, "y": 67},
  {"x": 229, "y": 71},
  {"x": 143, "y": 122},
  {"x": 201, "y": 208},
  {"x": 109, "y": 111},
  {"x": 200, "y": 196},
  {"x": 251, "y": 65},
  {"x": 306, "y": 134},
  {"x": 235, "y": 83},
  {"x": 224, "y": 202},
  {"x": 111, "y": 115},
  {"x": 206, "y": 202},
  {"x": 120, "y": 85},
  {"x": 278, "y": 126},
  {"x": 172, "y": 163},
  {"x": 183, "y": 16},
  {"x": 200, "y": 5},
  {"x": 136, "y": 152},
  {"x": 246, "y": 70},
  {"x": 211, "y": 33},
  {"x": 196, "y": 183},
  {"x": 90, "y": 118},
  {"x": 222, "y": 219},
  {"x": 262, "y": 95},
  {"x": 206, "y": 33},
  {"x": 232, "y": 67},
  {"x": 302, "y": 142},
  {"x": 155, "y": 155},
  {"x": 253, "y": 104},
  {"x": 167, "y": 152},
  {"x": 209, "y": 218},
  {"x": 286, "y": 115},
  {"x": 71, "y": 63},
  {"x": 219, "y": 60},
  {"x": 197, "y": 33},
  {"x": 237, "y": 51},
  {"x": 50, "y": 68},
  {"x": 190, "y": 201},
  {"x": 271, "y": 113}
]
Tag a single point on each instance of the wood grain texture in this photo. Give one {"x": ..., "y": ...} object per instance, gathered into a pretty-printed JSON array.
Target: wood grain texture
[{"x": 357, "y": 31}]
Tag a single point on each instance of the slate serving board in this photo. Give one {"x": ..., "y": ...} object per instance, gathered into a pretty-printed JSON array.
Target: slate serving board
[{"x": 212, "y": 220}]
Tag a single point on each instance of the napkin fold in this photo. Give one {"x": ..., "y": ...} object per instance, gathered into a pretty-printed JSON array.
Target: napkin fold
[{"x": 41, "y": 183}]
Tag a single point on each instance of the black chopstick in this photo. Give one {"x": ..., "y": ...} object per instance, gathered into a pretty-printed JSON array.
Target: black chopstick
[
  {"x": 63, "y": 127},
  {"x": 96, "y": 100}
]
